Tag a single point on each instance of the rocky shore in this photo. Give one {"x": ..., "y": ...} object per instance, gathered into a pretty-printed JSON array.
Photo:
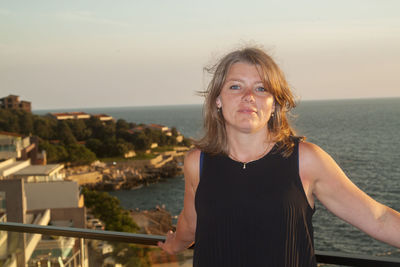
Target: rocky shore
[
  {"x": 157, "y": 221},
  {"x": 125, "y": 178},
  {"x": 125, "y": 175}
]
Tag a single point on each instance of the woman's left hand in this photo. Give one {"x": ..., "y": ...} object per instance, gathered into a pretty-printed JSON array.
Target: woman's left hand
[{"x": 168, "y": 244}]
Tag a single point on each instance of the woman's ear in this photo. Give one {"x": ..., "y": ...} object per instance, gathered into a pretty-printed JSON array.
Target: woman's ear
[
  {"x": 218, "y": 102},
  {"x": 273, "y": 105}
]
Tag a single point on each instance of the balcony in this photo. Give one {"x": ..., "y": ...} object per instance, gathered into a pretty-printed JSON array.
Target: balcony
[{"x": 65, "y": 246}]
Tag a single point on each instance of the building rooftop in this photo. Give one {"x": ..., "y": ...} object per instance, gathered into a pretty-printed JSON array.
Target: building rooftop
[
  {"x": 154, "y": 125},
  {"x": 69, "y": 113},
  {"x": 101, "y": 116},
  {"x": 11, "y": 134},
  {"x": 10, "y": 96},
  {"x": 9, "y": 166},
  {"x": 42, "y": 170},
  {"x": 78, "y": 113}
]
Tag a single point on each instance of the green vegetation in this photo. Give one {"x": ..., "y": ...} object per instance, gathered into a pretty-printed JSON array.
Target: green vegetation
[
  {"x": 108, "y": 209},
  {"x": 163, "y": 149},
  {"x": 82, "y": 141}
]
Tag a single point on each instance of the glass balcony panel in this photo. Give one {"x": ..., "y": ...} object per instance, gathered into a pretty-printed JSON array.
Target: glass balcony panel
[
  {"x": 127, "y": 254},
  {"x": 32, "y": 250}
]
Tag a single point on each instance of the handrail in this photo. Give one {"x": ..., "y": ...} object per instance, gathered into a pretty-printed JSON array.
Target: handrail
[
  {"x": 340, "y": 258},
  {"x": 82, "y": 233},
  {"x": 143, "y": 239}
]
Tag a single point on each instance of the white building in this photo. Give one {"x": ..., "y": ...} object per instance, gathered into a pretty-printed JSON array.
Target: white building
[
  {"x": 41, "y": 173},
  {"x": 57, "y": 203},
  {"x": 12, "y": 145},
  {"x": 13, "y": 168}
]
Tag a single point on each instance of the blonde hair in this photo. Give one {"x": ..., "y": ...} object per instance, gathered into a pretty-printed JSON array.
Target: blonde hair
[{"x": 215, "y": 139}]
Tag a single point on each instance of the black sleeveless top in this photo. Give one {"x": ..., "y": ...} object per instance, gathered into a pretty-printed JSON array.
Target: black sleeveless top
[{"x": 258, "y": 216}]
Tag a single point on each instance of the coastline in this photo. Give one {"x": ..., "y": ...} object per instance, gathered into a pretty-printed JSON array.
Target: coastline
[{"x": 129, "y": 174}]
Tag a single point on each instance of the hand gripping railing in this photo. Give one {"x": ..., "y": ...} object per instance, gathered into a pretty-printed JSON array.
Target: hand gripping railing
[{"x": 143, "y": 239}]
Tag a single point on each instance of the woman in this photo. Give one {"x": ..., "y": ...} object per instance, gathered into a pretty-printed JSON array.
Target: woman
[{"x": 250, "y": 184}]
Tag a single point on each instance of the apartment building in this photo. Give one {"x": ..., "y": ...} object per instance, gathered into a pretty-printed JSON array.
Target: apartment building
[
  {"x": 13, "y": 102},
  {"x": 56, "y": 203},
  {"x": 13, "y": 145},
  {"x": 38, "y": 194}
]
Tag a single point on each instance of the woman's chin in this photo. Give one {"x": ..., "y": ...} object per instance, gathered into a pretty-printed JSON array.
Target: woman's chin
[{"x": 249, "y": 128}]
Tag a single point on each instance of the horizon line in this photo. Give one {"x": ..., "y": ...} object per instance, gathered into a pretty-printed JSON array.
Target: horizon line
[{"x": 199, "y": 104}]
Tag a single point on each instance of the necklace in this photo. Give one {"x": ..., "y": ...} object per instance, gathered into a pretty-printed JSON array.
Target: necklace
[{"x": 245, "y": 162}]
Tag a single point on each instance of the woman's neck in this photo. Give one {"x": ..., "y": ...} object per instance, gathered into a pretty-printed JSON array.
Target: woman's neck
[{"x": 247, "y": 147}]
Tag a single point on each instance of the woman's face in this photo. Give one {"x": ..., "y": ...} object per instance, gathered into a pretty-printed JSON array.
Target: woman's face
[{"x": 246, "y": 104}]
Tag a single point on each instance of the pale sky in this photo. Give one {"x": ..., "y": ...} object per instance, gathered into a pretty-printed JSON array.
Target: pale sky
[{"x": 75, "y": 54}]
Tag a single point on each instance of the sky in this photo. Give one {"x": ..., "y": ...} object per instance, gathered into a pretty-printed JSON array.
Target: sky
[{"x": 96, "y": 53}]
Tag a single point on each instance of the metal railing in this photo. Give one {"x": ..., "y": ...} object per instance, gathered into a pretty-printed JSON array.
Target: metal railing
[{"x": 143, "y": 239}]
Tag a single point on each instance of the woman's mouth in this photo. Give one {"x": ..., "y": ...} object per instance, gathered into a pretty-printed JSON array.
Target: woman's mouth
[{"x": 247, "y": 111}]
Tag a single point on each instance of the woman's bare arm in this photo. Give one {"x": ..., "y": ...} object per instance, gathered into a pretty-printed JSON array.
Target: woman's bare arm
[
  {"x": 344, "y": 199},
  {"x": 186, "y": 226}
]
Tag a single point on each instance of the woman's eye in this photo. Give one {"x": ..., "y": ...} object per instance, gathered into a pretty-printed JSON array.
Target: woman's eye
[
  {"x": 261, "y": 89},
  {"x": 235, "y": 87}
]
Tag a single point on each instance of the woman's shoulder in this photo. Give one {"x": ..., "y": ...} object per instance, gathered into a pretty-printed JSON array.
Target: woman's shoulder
[
  {"x": 192, "y": 162},
  {"x": 193, "y": 155},
  {"x": 308, "y": 149},
  {"x": 313, "y": 158}
]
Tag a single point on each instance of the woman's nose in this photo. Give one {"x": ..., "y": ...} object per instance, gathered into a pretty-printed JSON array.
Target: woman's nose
[{"x": 248, "y": 95}]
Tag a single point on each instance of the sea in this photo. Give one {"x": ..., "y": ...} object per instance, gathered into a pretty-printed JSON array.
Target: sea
[{"x": 362, "y": 135}]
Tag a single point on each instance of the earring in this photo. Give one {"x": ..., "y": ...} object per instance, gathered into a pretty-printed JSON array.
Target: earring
[
  {"x": 272, "y": 114},
  {"x": 219, "y": 109}
]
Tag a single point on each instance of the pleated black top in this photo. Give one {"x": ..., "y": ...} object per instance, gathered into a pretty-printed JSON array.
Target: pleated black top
[{"x": 258, "y": 216}]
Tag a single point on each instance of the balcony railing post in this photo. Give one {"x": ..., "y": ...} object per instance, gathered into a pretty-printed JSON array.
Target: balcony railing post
[{"x": 82, "y": 241}]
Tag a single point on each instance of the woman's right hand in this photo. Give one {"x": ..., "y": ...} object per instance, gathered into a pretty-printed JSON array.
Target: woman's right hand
[{"x": 168, "y": 245}]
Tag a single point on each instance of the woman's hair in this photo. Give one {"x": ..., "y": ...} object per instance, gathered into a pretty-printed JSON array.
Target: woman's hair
[{"x": 215, "y": 139}]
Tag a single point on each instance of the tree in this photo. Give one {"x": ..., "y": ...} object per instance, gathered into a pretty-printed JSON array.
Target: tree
[
  {"x": 95, "y": 145},
  {"x": 109, "y": 147},
  {"x": 94, "y": 124},
  {"x": 79, "y": 129},
  {"x": 163, "y": 140},
  {"x": 123, "y": 147},
  {"x": 171, "y": 140},
  {"x": 65, "y": 134},
  {"x": 186, "y": 142},
  {"x": 9, "y": 121},
  {"x": 122, "y": 125},
  {"x": 55, "y": 153},
  {"x": 42, "y": 128},
  {"x": 108, "y": 209},
  {"x": 78, "y": 154},
  {"x": 142, "y": 142},
  {"x": 174, "y": 132},
  {"x": 25, "y": 122},
  {"x": 100, "y": 130}
]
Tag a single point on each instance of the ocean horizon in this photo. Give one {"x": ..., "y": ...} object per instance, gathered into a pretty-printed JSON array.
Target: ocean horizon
[{"x": 41, "y": 111}]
